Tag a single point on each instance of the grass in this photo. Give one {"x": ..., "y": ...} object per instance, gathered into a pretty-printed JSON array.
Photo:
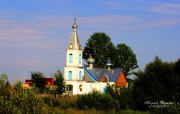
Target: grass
[
  {"x": 66, "y": 105},
  {"x": 93, "y": 111}
]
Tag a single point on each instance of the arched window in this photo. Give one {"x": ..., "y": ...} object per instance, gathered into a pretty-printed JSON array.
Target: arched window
[
  {"x": 70, "y": 75},
  {"x": 80, "y": 57},
  {"x": 70, "y": 58},
  {"x": 80, "y": 75}
]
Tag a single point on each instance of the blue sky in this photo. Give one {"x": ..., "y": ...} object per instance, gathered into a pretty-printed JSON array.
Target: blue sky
[{"x": 34, "y": 34}]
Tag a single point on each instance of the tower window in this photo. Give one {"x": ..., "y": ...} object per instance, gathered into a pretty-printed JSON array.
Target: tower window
[
  {"x": 80, "y": 58},
  {"x": 70, "y": 58},
  {"x": 70, "y": 75},
  {"x": 80, "y": 75},
  {"x": 70, "y": 46}
]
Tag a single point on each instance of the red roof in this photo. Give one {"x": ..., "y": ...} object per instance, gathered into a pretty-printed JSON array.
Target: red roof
[
  {"x": 49, "y": 81},
  {"x": 28, "y": 81}
]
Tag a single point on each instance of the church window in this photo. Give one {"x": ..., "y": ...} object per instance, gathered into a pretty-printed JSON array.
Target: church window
[
  {"x": 70, "y": 75},
  {"x": 70, "y": 58},
  {"x": 80, "y": 57},
  {"x": 103, "y": 90},
  {"x": 80, "y": 75},
  {"x": 70, "y": 46}
]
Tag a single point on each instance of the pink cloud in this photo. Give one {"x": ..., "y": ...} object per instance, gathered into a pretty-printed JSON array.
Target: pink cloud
[
  {"x": 38, "y": 29},
  {"x": 108, "y": 19},
  {"x": 18, "y": 63},
  {"x": 8, "y": 36},
  {"x": 167, "y": 8},
  {"x": 155, "y": 24}
]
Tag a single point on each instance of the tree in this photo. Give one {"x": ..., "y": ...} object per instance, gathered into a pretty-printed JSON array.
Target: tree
[
  {"x": 4, "y": 85},
  {"x": 125, "y": 59},
  {"x": 101, "y": 48},
  {"x": 158, "y": 82},
  {"x": 59, "y": 82},
  {"x": 38, "y": 79}
]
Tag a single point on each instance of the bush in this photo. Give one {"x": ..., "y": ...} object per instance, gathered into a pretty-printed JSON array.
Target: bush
[
  {"x": 62, "y": 101},
  {"x": 16, "y": 100},
  {"x": 96, "y": 100}
]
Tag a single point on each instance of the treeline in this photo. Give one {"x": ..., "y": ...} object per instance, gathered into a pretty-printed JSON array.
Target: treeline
[{"x": 155, "y": 90}]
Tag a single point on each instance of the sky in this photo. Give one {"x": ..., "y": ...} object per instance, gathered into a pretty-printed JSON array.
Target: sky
[{"x": 34, "y": 34}]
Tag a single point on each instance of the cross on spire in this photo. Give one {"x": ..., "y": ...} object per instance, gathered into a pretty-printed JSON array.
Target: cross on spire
[
  {"x": 74, "y": 25},
  {"x": 75, "y": 21}
]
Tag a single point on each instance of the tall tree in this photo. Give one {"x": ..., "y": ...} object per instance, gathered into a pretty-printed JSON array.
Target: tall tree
[
  {"x": 59, "y": 82},
  {"x": 101, "y": 48},
  {"x": 125, "y": 58},
  {"x": 38, "y": 79},
  {"x": 158, "y": 82}
]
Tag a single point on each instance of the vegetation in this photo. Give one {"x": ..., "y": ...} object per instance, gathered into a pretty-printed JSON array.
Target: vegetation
[
  {"x": 125, "y": 59},
  {"x": 15, "y": 100},
  {"x": 101, "y": 48},
  {"x": 96, "y": 100},
  {"x": 38, "y": 79},
  {"x": 158, "y": 82},
  {"x": 59, "y": 82}
]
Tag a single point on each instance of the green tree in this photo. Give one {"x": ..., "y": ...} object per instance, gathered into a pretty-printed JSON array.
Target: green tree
[
  {"x": 59, "y": 82},
  {"x": 158, "y": 82},
  {"x": 4, "y": 85},
  {"x": 125, "y": 59},
  {"x": 101, "y": 48},
  {"x": 38, "y": 79}
]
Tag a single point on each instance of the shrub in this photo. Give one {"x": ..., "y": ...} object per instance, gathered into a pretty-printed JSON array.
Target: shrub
[
  {"x": 96, "y": 100},
  {"x": 16, "y": 100},
  {"x": 62, "y": 101}
]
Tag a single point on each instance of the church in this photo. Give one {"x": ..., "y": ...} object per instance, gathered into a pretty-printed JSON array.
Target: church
[{"x": 80, "y": 79}]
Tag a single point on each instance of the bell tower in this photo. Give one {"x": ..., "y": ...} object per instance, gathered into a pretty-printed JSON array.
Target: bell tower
[{"x": 74, "y": 68}]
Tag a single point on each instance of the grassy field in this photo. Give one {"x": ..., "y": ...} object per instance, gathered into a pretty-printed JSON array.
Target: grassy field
[
  {"x": 77, "y": 111},
  {"x": 66, "y": 105}
]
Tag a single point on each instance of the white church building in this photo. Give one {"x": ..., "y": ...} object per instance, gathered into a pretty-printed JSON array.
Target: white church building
[{"x": 80, "y": 79}]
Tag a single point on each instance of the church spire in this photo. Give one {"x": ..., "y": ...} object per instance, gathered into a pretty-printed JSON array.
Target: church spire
[{"x": 74, "y": 41}]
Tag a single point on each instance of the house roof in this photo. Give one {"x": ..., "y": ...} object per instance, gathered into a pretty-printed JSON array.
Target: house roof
[
  {"x": 97, "y": 74},
  {"x": 49, "y": 81}
]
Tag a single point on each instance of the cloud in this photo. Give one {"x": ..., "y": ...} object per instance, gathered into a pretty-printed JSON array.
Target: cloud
[
  {"x": 155, "y": 24},
  {"x": 166, "y": 8},
  {"x": 125, "y": 22},
  {"x": 44, "y": 30},
  {"x": 114, "y": 5},
  {"x": 18, "y": 63}
]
